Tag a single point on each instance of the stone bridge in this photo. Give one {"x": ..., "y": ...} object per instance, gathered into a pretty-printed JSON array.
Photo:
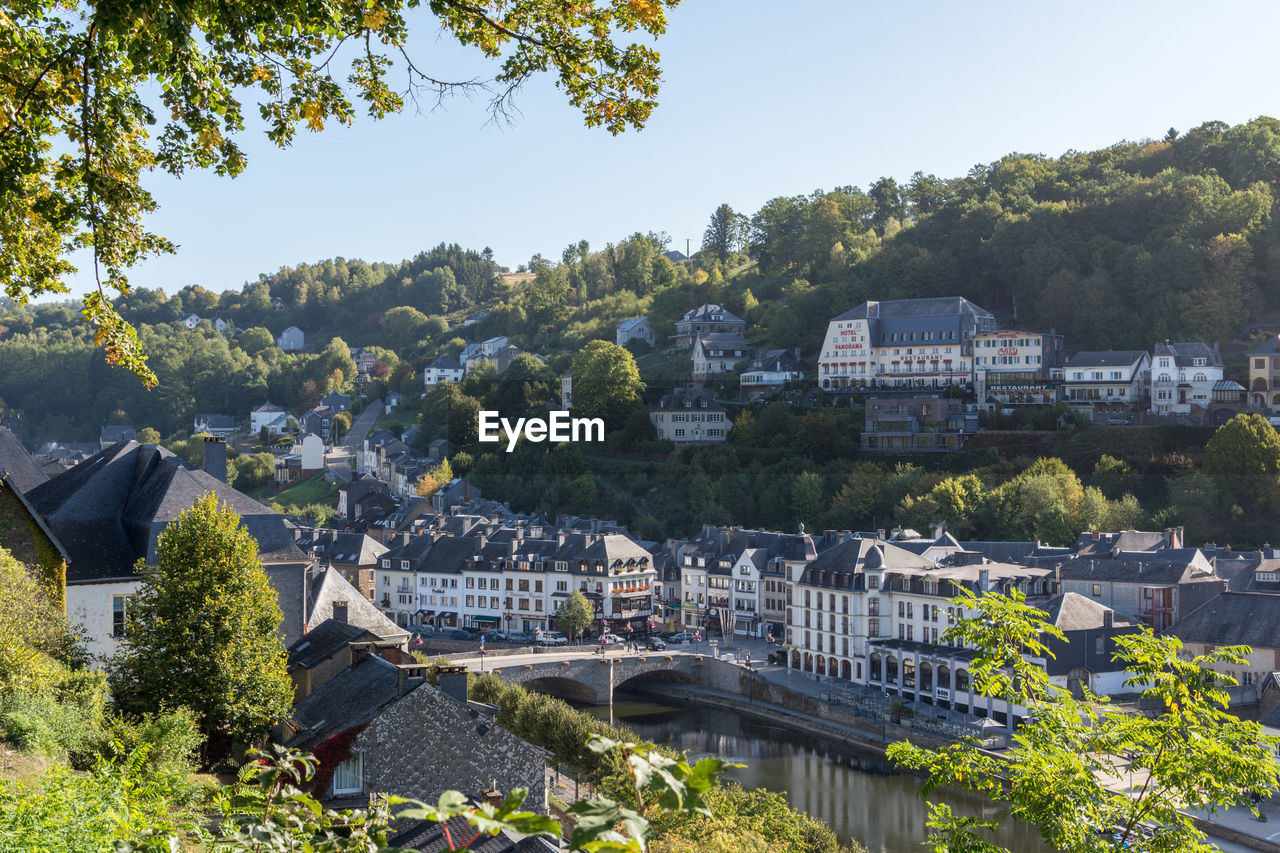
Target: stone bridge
[{"x": 592, "y": 679}]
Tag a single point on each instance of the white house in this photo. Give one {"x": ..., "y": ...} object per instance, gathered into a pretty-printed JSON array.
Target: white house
[
  {"x": 290, "y": 340},
  {"x": 1183, "y": 376},
  {"x": 190, "y": 321},
  {"x": 903, "y": 343},
  {"x": 1107, "y": 378},
  {"x": 690, "y": 416},
  {"x": 271, "y": 416},
  {"x": 718, "y": 353},
  {"x": 636, "y": 328},
  {"x": 446, "y": 368},
  {"x": 775, "y": 368}
]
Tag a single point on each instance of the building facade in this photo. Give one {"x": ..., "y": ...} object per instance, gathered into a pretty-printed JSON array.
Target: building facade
[
  {"x": 904, "y": 343},
  {"x": 1016, "y": 368},
  {"x": 1264, "y": 376},
  {"x": 718, "y": 353},
  {"x": 1183, "y": 376},
  {"x": 636, "y": 328},
  {"x": 915, "y": 423},
  {"x": 707, "y": 320},
  {"x": 690, "y": 416},
  {"x": 1111, "y": 378}
]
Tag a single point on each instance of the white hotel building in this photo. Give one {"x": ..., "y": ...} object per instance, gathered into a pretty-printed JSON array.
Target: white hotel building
[{"x": 903, "y": 343}]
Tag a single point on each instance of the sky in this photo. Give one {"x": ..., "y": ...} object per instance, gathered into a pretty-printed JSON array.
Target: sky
[{"x": 759, "y": 99}]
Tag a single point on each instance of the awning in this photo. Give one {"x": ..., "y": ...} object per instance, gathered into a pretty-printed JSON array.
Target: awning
[
  {"x": 673, "y": 605},
  {"x": 426, "y": 613},
  {"x": 450, "y": 615},
  {"x": 484, "y": 620}
]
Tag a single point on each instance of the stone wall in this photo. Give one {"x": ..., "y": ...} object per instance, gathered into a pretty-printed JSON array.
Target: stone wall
[
  {"x": 428, "y": 743},
  {"x": 21, "y": 534}
]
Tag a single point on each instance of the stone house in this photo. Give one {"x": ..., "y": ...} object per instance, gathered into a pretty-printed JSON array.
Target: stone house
[{"x": 379, "y": 728}]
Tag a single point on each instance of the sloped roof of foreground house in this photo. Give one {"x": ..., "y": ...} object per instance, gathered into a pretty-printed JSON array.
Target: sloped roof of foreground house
[{"x": 108, "y": 510}]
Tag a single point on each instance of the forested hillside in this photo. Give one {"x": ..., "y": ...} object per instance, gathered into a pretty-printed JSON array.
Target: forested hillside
[{"x": 1125, "y": 246}]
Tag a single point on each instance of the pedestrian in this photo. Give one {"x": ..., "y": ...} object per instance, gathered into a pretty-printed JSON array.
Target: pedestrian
[{"x": 748, "y": 660}]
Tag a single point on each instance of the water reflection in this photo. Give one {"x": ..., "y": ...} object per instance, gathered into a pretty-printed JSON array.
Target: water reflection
[{"x": 855, "y": 792}]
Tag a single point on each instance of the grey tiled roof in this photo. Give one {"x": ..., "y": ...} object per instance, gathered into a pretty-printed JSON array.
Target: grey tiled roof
[
  {"x": 324, "y": 641},
  {"x": 904, "y": 308},
  {"x": 24, "y": 473},
  {"x": 108, "y": 510},
  {"x": 1073, "y": 612},
  {"x": 1233, "y": 618},
  {"x": 429, "y": 837},
  {"x": 351, "y": 698}
]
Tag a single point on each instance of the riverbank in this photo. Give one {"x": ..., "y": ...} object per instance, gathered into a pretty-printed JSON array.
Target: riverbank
[{"x": 1232, "y": 831}]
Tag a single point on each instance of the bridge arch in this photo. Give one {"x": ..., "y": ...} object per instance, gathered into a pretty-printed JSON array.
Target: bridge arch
[{"x": 569, "y": 689}]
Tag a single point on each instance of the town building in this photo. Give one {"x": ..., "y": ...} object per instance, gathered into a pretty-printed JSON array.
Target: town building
[
  {"x": 634, "y": 329},
  {"x": 291, "y": 339},
  {"x": 365, "y": 360},
  {"x": 337, "y": 401},
  {"x": 382, "y": 729},
  {"x": 566, "y": 390},
  {"x": 445, "y": 368},
  {"x": 718, "y": 353},
  {"x": 1109, "y": 380},
  {"x": 1236, "y": 619},
  {"x": 707, "y": 320},
  {"x": 222, "y": 426},
  {"x": 916, "y": 423},
  {"x": 1183, "y": 378},
  {"x": 690, "y": 416},
  {"x": 772, "y": 370},
  {"x": 1264, "y": 376},
  {"x": 104, "y": 515},
  {"x": 487, "y": 349},
  {"x": 115, "y": 434},
  {"x": 903, "y": 343},
  {"x": 1017, "y": 368},
  {"x": 270, "y": 417},
  {"x": 189, "y": 321}
]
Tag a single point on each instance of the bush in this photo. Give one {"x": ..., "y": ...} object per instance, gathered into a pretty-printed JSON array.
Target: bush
[
  {"x": 171, "y": 738},
  {"x": 40, "y": 723}
]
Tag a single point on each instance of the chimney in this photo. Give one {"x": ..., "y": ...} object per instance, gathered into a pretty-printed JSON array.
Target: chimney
[
  {"x": 560, "y": 537},
  {"x": 492, "y": 795},
  {"x": 453, "y": 682},
  {"x": 359, "y": 651},
  {"x": 984, "y": 580},
  {"x": 797, "y": 353},
  {"x": 340, "y": 612},
  {"x": 1108, "y": 619},
  {"x": 215, "y": 458},
  {"x": 409, "y": 677}
]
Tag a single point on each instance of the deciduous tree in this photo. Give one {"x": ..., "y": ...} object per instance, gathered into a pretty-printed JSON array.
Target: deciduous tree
[
  {"x": 575, "y": 615},
  {"x": 1186, "y": 752},
  {"x": 606, "y": 382},
  {"x": 82, "y": 84},
  {"x": 204, "y": 631}
]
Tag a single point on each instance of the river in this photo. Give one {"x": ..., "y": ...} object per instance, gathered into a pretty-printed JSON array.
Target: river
[{"x": 855, "y": 793}]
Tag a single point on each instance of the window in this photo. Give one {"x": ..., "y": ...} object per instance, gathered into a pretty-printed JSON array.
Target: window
[
  {"x": 404, "y": 564},
  {"x": 348, "y": 777},
  {"x": 873, "y": 627},
  {"x": 1097, "y": 590},
  {"x": 1100, "y": 645},
  {"x": 120, "y": 605},
  {"x": 471, "y": 583}
]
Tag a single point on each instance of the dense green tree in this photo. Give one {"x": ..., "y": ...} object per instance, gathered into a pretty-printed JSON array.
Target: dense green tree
[
  {"x": 204, "y": 631},
  {"x": 726, "y": 233},
  {"x": 606, "y": 383},
  {"x": 1186, "y": 751},
  {"x": 575, "y": 615},
  {"x": 255, "y": 340}
]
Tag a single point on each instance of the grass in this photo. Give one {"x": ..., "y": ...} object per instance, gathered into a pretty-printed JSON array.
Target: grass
[
  {"x": 670, "y": 365},
  {"x": 313, "y": 490}
]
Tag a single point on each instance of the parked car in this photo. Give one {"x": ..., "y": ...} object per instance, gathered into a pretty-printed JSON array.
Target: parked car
[
  {"x": 459, "y": 634},
  {"x": 552, "y": 638},
  {"x": 681, "y": 637},
  {"x": 655, "y": 644},
  {"x": 1117, "y": 421},
  {"x": 495, "y": 637},
  {"x": 613, "y": 639}
]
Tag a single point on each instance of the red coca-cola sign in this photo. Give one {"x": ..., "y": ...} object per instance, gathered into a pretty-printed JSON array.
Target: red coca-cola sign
[{"x": 1007, "y": 351}]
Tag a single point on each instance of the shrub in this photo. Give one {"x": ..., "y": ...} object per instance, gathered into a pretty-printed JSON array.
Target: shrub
[{"x": 171, "y": 738}]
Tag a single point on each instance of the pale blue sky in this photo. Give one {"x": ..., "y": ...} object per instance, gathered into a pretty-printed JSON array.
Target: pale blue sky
[{"x": 759, "y": 99}]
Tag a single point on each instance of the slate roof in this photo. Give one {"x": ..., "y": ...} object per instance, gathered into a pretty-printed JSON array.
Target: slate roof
[
  {"x": 108, "y": 510},
  {"x": 1184, "y": 354},
  {"x": 706, "y": 313},
  {"x": 115, "y": 433},
  {"x": 351, "y": 698},
  {"x": 1074, "y": 612},
  {"x": 695, "y": 397},
  {"x": 329, "y": 588},
  {"x": 445, "y": 362},
  {"x": 629, "y": 324},
  {"x": 324, "y": 641},
  {"x": 858, "y": 555},
  {"x": 1233, "y": 618},
  {"x": 1271, "y": 346},
  {"x": 894, "y": 309},
  {"x": 23, "y": 472},
  {"x": 1106, "y": 358},
  {"x": 779, "y": 359},
  {"x": 1127, "y": 571},
  {"x": 216, "y": 421},
  {"x": 429, "y": 837}
]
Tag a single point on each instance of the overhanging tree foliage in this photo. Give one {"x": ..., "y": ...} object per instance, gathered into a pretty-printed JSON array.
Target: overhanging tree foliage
[
  {"x": 1190, "y": 753},
  {"x": 84, "y": 85},
  {"x": 205, "y": 629}
]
